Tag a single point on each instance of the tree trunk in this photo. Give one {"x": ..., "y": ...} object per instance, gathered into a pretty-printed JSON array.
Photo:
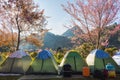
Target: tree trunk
[
  {"x": 18, "y": 37},
  {"x": 18, "y": 40},
  {"x": 98, "y": 40}
]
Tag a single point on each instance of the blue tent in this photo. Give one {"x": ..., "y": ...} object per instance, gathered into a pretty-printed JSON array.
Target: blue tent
[{"x": 44, "y": 54}]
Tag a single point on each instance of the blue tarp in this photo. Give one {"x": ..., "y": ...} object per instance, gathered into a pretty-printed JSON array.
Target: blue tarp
[
  {"x": 44, "y": 54},
  {"x": 100, "y": 53}
]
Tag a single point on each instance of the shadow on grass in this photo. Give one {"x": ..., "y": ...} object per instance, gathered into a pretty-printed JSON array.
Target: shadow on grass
[
  {"x": 54, "y": 78},
  {"x": 9, "y": 77}
]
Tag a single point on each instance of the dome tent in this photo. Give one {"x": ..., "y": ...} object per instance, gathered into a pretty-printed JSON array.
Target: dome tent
[
  {"x": 74, "y": 59},
  {"x": 18, "y": 62},
  {"x": 2, "y": 59},
  {"x": 44, "y": 63},
  {"x": 116, "y": 58},
  {"x": 98, "y": 59}
]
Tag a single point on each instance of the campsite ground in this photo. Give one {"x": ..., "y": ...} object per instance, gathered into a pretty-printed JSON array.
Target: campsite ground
[
  {"x": 54, "y": 77},
  {"x": 51, "y": 77}
]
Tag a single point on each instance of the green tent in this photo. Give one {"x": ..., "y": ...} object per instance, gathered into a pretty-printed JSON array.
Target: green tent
[
  {"x": 74, "y": 59},
  {"x": 98, "y": 59},
  {"x": 18, "y": 62},
  {"x": 44, "y": 63},
  {"x": 2, "y": 59}
]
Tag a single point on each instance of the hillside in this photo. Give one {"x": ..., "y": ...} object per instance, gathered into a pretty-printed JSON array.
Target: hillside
[
  {"x": 55, "y": 41},
  {"x": 69, "y": 33}
]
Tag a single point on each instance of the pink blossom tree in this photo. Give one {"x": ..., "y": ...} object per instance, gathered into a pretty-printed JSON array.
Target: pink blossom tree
[
  {"x": 92, "y": 17},
  {"x": 23, "y": 16}
]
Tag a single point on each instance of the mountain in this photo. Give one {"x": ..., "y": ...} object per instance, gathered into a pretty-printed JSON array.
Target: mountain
[
  {"x": 51, "y": 41},
  {"x": 70, "y": 32},
  {"x": 54, "y": 41}
]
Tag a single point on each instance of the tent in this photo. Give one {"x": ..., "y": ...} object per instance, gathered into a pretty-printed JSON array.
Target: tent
[
  {"x": 74, "y": 59},
  {"x": 116, "y": 58},
  {"x": 1, "y": 59},
  {"x": 98, "y": 59},
  {"x": 18, "y": 62},
  {"x": 44, "y": 63}
]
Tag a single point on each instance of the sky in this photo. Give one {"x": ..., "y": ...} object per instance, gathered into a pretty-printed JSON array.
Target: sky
[{"x": 58, "y": 17}]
